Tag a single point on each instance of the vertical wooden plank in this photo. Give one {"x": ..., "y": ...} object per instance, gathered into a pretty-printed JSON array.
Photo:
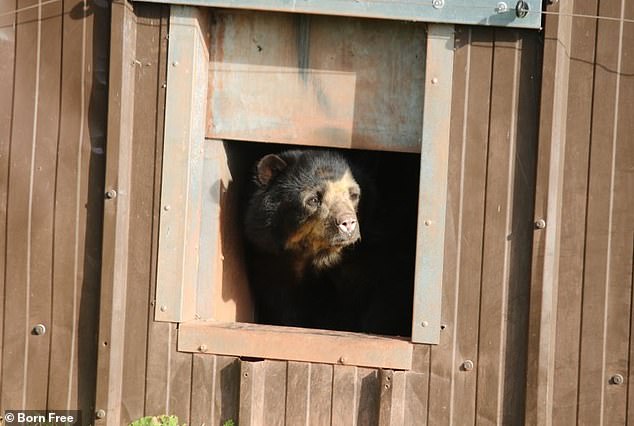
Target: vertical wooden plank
[
  {"x": 626, "y": 127},
  {"x": 321, "y": 390},
  {"x": 251, "y": 393},
  {"x": 148, "y": 79},
  {"x": 78, "y": 208},
  {"x": 571, "y": 265},
  {"x": 453, "y": 398},
  {"x": 368, "y": 396},
  {"x": 203, "y": 388},
  {"x": 593, "y": 380},
  {"x": 521, "y": 227},
  {"x": 17, "y": 327},
  {"x": 392, "y": 388},
  {"x": 621, "y": 232},
  {"x": 548, "y": 202},
  {"x": 188, "y": 60},
  {"x": 433, "y": 184},
  {"x": 297, "y": 393},
  {"x": 344, "y": 410},
  {"x": 116, "y": 215},
  {"x": 215, "y": 390},
  {"x": 274, "y": 390},
  {"x": 498, "y": 216},
  {"x": 7, "y": 51},
  {"x": 415, "y": 399}
]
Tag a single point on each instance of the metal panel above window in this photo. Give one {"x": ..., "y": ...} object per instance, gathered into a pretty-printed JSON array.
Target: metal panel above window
[{"x": 511, "y": 13}]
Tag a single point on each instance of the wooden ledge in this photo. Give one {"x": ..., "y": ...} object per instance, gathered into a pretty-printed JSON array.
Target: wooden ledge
[{"x": 295, "y": 344}]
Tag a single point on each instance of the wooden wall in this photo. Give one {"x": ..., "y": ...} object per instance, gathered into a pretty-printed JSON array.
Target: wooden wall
[
  {"x": 53, "y": 103},
  {"x": 487, "y": 272},
  {"x": 541, "y": 129}
]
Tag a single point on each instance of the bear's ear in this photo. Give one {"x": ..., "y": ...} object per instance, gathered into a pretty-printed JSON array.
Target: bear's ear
[{"x": 268, "y": 167}]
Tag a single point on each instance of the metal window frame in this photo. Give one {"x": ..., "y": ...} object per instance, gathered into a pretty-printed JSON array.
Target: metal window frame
[{"x": 180, "y": 243}]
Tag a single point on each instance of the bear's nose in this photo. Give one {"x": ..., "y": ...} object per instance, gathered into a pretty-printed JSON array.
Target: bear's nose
[{"x": 347, "y": 224}]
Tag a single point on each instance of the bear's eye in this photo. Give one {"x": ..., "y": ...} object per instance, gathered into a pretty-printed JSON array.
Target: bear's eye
[
  {"x": 313, "y": 201},
  {"x": 354, "y": 195}
]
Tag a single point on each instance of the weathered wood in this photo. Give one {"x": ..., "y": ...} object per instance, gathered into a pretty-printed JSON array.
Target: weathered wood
[
  {"x": 321, "y": 391},
  {"x": 433, "y": 184},
  {"x": 251, "y": 393},
  {"x": 368, "y": 396},
  {"x": 7, "y": 67},
  {"x": 298, "y": 393},
  {"x": 274, "y": 390},
  {"x": 496, "y": 264},
  {"x": 392, "y": 401},
  {"x": 548, "y": 202},
  {"x": 314, "y": 80},
  {"x": 454, "y": 390},
  {"x": 215, "y": 389},
  {"x": 603, "y": 348},
  {"x": 344, "y": 389},
  {"x": 571, "y": 265},
  {"x": 415, "y": 399},
  {"x": 143, "y": 196},
  {"x": 295, "y": 344},
  {"x": 116, "y": 215},
  {"x": 181, "y": 185}
]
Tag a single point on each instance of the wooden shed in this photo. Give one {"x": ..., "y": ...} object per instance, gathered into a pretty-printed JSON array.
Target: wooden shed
[{"x": 122, "y": 281}]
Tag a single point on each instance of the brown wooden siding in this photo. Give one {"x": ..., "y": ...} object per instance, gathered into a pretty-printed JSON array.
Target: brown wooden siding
[
  {"x": 587, "y": 109},
  {"x": 53, "y": 77},
  {"x": 571, "y": 84}
]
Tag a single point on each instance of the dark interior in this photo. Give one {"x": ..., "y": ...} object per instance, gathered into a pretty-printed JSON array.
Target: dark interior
[{"x": 379, "y": 284}]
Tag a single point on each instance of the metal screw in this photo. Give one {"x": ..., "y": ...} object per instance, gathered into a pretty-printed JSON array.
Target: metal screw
[
  {"x": 166, "y": 208},
  {"x": 617, "y": 379},
  {"x": 163, "y": 308},
  {"x": 427, "y": 222},
  {"x": 342, "y": 360},
  {"x": 111, "y": 194},
  {"x": 540, "y": 224},
  {"x": 467, "y": 365},
  {"x": 175, "y": 63},
  {"x": 100, "y": 414},
  {"x": 521, "y": 9},
  {"x": 202, "y": 348},
  {"x": 39, "y": 329},
  {"x": 424, "y": 323},
  {"x": 438, "y": 4},
  {"x": 502, "y": 7},
  {"x": 434, "y": 81}
]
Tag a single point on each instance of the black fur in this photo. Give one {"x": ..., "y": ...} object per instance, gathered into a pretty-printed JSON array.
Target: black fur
[{"x": 368, "y": 290}]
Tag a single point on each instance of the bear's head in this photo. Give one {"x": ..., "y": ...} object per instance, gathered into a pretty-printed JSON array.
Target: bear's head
[{"x": 305, "y": 204}]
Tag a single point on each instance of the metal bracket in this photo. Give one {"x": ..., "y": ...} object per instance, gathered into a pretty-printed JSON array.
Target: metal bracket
[{"x": 511, "y": 13}]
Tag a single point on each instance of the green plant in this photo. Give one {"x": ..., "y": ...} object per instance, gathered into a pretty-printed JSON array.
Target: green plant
[
  {"x": 164, "y": 420},
  {"x": 229, "y": 422}
]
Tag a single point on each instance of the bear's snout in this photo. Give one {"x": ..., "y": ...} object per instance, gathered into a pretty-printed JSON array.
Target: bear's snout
[{"x": 347, "y": 223}]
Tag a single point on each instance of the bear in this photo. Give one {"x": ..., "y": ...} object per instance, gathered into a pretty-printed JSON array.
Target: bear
[{"x": 317, "y": 258}]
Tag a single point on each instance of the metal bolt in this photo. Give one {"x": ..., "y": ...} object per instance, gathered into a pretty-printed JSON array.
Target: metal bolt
[
  {"x": 166, "y": 208},
  {"x": 202, "y": 348},
  {"x": 163, "y": 308},
  {"x": 540, "y": 224},
  {"x": 175, "y": 63},
  {"x": 467, "y": 365},
  {"x": 110, "y": 194},
  {"x": 424, "y": 323},
  {"x": 617, "y": 379},
  {"x": 39, "y": 329},
  {"x": 427, "y": 222},
  {"x": 521, "y": 9},
  {"x": 342, "y": 360},
  {"x": 502, "y": 7},
  {"x": 164, "y": 85},
  {"x": 100, "y": 414},
  {"x": 434, "y": 81},
  {"x": 438, "y": 4}
]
